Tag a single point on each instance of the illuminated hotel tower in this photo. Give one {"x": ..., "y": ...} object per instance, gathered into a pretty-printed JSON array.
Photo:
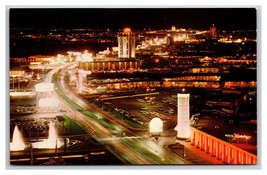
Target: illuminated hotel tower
[
  {"x": 183, "y": 112},
  {"x": 126, "y": 44},
  {"x": 213, "y": 33}
]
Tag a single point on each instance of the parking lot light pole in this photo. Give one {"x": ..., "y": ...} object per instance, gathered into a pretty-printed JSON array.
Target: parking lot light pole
[
  {"x": 102, "y": 103},
  {"x": 184, "y": 151}
]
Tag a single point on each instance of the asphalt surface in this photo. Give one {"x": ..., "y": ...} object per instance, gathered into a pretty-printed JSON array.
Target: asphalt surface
[
  {"x": 129, "y": 146},
  {"x": 138, "y": 153}
]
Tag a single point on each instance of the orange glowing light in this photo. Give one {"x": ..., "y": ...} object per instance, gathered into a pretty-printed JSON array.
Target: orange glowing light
[{"x": 127, "y": 31}]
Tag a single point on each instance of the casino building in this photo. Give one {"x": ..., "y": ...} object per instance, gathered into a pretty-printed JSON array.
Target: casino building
[{"x": 126, "y": 44}]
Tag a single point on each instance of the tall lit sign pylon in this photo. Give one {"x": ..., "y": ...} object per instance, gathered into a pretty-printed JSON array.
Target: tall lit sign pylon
[{"x": 183, "y": 112}]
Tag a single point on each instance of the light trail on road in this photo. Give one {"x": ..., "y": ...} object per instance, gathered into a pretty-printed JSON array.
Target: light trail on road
[{"x": 131, "y": 150}]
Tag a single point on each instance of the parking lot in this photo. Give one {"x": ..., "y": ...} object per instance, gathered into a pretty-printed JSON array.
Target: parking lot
[{"x": 142, "y": 109}]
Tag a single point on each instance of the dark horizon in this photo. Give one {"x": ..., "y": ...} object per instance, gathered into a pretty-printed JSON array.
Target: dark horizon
[{"x": 136, "y": 18}]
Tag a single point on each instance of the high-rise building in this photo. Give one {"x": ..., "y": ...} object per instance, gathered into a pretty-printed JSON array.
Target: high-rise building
[
  {"x": 213, "y": 33},
  {"x": 126, "y": 44},
  {"x": 183, "y": 112},
  {"x": 170, "y": 40}
]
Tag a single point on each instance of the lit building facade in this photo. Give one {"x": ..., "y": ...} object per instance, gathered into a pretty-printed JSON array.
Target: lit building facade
[
  {"x": 213, "y": 33},
  {"x": 203, "y": 70},
  {"x": 126, "y": 44},
  {"x": 183, "y": 112},
  {"x": 110, "y": 65},
  {"x": 40, "y": 58},
  {"x": 228, "y": 153},
  {"x": 17, "y": 72}
]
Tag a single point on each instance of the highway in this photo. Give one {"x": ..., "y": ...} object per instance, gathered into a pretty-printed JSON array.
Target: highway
[{"x": 130, "y": 150}]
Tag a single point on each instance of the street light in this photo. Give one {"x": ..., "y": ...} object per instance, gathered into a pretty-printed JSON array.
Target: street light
[
  {"x": 184, "y": 151},
  {"x": 102, "y": 105}
]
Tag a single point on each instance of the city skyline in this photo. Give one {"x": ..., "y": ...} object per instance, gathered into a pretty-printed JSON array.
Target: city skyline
[
  {"x": 86, "y": 95},
  {"x": 135, "y": 18}
]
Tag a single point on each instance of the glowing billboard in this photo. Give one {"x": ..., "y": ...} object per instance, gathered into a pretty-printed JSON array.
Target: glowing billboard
[{"x": 183, "y": 110}]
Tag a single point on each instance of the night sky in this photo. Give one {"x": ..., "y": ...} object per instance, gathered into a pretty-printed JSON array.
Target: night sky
[{"x": 154, "y": 18}]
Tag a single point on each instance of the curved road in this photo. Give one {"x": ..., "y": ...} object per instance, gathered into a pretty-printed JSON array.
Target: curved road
[{"x": 130, "y": 150}]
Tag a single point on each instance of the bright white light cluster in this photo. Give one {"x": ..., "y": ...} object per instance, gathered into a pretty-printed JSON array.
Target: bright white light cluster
[
  {"x": 48, "y": 102},
  {"x": 52, "y": 141},
  {"x": 17, "y": 143},
  {"x": 44, "y": 87},
  {"x": 156, "y": 125},
  {"x": 85, "y": 57}
]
